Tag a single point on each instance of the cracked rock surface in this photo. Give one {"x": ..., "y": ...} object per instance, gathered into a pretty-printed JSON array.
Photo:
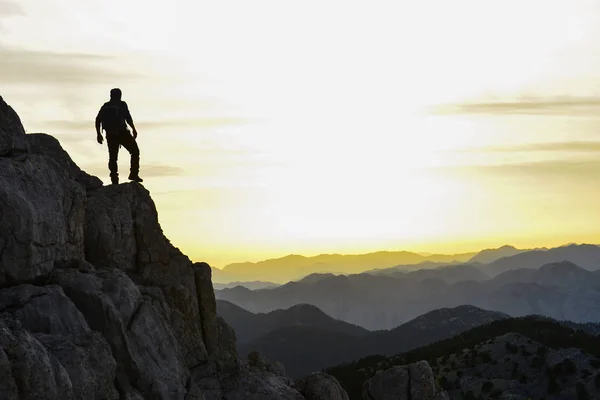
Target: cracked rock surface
[
  {"x": 96, "y": 303},
  {"x": 405, "y": 382}
]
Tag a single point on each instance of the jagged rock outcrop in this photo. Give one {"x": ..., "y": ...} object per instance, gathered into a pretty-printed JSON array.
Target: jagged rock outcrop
[
  {"x": 42, "y": 218},
  {"x": 406, "y": 382},
  {"x": 12, "y": 134},
  {"x": 95, "y": 302}
]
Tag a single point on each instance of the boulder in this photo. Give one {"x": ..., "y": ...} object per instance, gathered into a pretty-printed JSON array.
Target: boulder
[
  {"x": 87, "y": 358},
  {"x": 321, "y": 386},
  {"x": 141, "y": 339},
  {"x": 33, "y": 371},
  {"x": 56, "y": 324},
  {"x": 258, "y": 362},
  {"x": 406, "y": 382},
  {"x": 261, "y": 386},
  {"x": 42, "y": 309}
]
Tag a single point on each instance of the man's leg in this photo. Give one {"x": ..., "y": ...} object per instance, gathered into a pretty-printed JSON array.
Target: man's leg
[
  {"x": 128, "y": 141},
  {"x": 113, "y": 154}
]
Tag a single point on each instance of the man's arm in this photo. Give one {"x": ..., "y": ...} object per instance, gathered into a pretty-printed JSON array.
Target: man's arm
[
  {"x": 129, "y": 119},
  {"x": 99, "y": 137}
]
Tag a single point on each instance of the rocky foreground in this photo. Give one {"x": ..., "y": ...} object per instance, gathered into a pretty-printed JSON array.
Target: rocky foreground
[
  {"x": 516, "y": 367},
  {"x": 95, "y": 303}
]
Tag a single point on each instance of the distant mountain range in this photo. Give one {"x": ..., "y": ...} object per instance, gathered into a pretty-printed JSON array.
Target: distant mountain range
[
  {"x": 586, "y": 256},
  {"x": 306, "y": 340},
  {"x": 561, "y": 290},
  {"x": 253, "y": 285},
  {"x": 448, "y": 273},
  {"x": 490, "y": 255},
  {"x": 295, "y": 267},
  {"x": 249, "y": 326}
]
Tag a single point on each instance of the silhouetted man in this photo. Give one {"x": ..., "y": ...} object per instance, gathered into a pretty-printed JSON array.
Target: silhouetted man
[{"x": 113, "y": 116}]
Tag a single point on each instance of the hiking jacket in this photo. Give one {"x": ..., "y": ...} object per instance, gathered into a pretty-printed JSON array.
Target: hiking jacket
[{"x": 111, "y": 108}]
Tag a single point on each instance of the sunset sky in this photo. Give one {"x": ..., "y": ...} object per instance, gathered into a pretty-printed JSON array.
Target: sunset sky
[{"x": 276, "y": 127}]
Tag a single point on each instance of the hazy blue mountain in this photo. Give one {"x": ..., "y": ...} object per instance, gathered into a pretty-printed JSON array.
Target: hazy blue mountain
[
  {"x": 563, "y": 291},
  {"x": 564, "y": 274},
  {"x": 314, "y": 278},
  {"x": 304, "y": 349},
  {"x": 249, "y": 326},
  {"x": 490, "y": 255},
  {"x": 220, "y": 276},
  {"x": 254, "y": 285},
  {"x": 447, "y": 273},
  {"x": 586, "y": 256},
  {"x": 293, "y": 267},
  {"x": 402, "y": 268}
]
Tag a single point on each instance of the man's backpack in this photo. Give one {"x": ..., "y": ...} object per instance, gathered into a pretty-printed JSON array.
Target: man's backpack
[{"x": 113, "y": 117}]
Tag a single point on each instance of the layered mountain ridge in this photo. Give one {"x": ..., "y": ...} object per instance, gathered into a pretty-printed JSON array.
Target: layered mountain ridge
[{"x": 561, "y": 290}]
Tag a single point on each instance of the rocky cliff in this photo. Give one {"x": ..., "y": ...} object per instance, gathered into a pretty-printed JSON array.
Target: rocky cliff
[
  {"x": 404, "y": 382},
  {"x": 95, "y": 302}
]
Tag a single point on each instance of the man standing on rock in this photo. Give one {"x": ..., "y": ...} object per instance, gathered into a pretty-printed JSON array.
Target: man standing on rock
[{"x": 113, "y": 116}]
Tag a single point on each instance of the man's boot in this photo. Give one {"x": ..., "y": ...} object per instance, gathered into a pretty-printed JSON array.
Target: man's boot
[
  {"x": 114, "y": 178},
  {"x": 135, "y": 177}
]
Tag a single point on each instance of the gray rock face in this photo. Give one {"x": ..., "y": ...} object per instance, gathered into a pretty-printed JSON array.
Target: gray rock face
[
  {"x": 142, "y": 342},
  {"x": 406, "y": 382},
  {"x": 42, "y": 309},
  {"x": 34, "y": 372},
  {"x": 207, "y": 307},
  {"x": 321, "y": 386},
  {"x": 95, "y": 302},
  {"x": 262, "y": 386},
  {"x": 12, "y": 134},
  {"x": 48, "y": 146},
  {"x": 390, "y": 384},
  {"x": 59, "y": 327},
  {"x": 87, "y": 359},
  {"x": 122, "y": 231},
  {"x": 227, "y": 344},
  {"x": 257, "y": 362},
  {"x": 42, "y": 218}
]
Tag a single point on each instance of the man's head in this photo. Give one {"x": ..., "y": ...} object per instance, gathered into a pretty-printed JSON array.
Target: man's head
[{"x": 115, "y": 94}]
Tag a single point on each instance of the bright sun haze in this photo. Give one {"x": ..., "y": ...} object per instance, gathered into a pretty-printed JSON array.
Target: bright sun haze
[{"x": 272, "y": 127}]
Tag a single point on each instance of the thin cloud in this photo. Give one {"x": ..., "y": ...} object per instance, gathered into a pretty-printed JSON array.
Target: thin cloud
[
  {"x": 552, "y": 106},
  {"x": 567, "y": 147},
  {"x": 547, "y": 169},
  {"x": 10, "y": 8},
  {"x": 20, "y": 66},
  {"x": 78, "y": 125}
]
